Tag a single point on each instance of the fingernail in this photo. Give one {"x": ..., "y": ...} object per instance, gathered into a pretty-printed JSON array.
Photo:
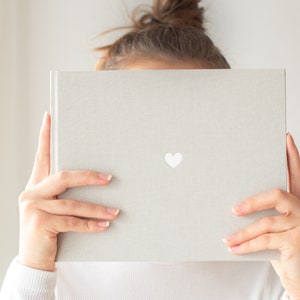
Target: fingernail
[
  {"x": 103, "y": 223},
  {"x": 224, "y": 240},
  {"x": 233, "y": 249},
  {"x": 291, "y": 137},
  {"x": 238, "y": 208},
  {"x": 44, "y": 117},
  {"x": 289, "y": 134},
  {"x": 229, "y": 238},
  {"x": 105, "y": 176},
  {"x": 112, "y": 211}
]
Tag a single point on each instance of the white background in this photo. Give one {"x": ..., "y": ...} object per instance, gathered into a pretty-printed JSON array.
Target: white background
[{"x": 37, "y": 36}]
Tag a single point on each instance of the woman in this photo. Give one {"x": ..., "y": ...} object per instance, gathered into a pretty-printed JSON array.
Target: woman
[{"x": 171, "y": 36}]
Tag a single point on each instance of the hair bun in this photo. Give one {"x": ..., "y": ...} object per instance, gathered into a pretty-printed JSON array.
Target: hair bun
[{"x": 169, "y": 12}]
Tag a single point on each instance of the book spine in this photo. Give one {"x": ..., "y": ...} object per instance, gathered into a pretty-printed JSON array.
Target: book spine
[
  {"x": 285, "y": 126},
  {"x": 54, "y": 120}
]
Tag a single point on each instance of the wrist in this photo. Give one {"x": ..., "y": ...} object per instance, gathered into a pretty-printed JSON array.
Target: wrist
[
  {"x": 42, "y": 266},
  {"x": 41, "y": 257}
]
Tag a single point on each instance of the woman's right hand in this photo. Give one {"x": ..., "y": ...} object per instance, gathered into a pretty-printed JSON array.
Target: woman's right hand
[{"x": 43, "y": 216}]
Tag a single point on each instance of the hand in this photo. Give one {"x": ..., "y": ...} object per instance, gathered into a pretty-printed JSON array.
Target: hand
[
  {"x": 275, "y": 232},
  {"x": 43, "y": 216}
]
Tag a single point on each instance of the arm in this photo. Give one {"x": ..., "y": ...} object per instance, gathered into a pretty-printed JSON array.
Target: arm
[{"x": 277, "y": 232}]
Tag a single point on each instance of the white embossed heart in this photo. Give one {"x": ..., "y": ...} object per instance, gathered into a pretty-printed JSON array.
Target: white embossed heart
[{"x": 173, "y": 160}]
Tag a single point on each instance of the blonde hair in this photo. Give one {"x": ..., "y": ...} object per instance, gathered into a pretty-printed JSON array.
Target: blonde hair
[{"x": 169, "y": 29}]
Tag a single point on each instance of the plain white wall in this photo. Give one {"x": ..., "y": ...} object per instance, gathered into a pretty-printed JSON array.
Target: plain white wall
[
  {"x": 9, "y": 153},
  {"x": 39, "y": 35}
]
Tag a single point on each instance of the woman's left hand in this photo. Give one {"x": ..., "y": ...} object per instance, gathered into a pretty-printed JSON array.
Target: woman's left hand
[{"x": 275, "y": 232}]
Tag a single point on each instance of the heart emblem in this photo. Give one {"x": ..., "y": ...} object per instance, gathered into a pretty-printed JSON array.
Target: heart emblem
[{"x": 173, "y": 160}]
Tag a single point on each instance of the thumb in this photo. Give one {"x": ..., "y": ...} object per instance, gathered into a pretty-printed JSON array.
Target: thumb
[
  {"x": 293, "y": 162},
  {"x": 41, "y": 167}
]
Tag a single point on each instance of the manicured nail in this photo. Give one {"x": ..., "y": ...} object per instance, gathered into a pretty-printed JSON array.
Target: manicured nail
[
  {"x": 112, "y": 211},
  {"x": 229, "y": 238},
  {"x": 45, "y": 117},
  {"x": 224, "y": 241},
  {"x": 238, "y": 208},
  {"x": 105, "y": 176},
  {"x": 103, "y": 223},
  {"x": 291, "y": 137},
  {"x": 233, "y": 249}
]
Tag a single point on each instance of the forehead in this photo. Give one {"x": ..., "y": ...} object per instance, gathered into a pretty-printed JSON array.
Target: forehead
[{"x": 155, "y": 64}]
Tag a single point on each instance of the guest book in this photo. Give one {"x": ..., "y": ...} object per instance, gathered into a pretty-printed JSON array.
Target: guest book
[{"x": 183, "y": 147}]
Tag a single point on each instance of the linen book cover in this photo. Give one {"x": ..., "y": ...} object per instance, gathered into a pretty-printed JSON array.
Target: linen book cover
[{"x": 183, "y": 147}]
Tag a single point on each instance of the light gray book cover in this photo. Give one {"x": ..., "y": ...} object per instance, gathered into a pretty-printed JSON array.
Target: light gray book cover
[{"x": 183, "y": 147}]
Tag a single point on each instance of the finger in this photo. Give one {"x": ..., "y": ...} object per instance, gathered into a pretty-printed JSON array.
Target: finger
[
  {"x": 74, "y": 224},
  {"x": 41, "y": 166},
  {"x": 293, "y": 161},
  {"x": 266, "y": 225},
  {"x": 59, "y": 182},
  {"x": 284, "y": 202},
  {"x": 264, "y": 242},
  {"x": 65, "y": 207}
]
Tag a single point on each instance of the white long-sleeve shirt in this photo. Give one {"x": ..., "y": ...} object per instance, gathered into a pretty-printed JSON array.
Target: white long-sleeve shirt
[{"x": 144, "y": 281}]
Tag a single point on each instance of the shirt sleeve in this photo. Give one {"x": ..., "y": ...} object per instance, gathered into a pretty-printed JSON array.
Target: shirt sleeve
[{"x": 25, "y": 283}]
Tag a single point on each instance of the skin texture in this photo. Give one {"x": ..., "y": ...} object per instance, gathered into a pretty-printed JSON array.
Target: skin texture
[{"x": 43, "y": 216}]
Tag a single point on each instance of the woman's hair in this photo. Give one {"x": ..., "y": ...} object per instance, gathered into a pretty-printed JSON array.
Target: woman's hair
[{"x": 170, "y": 30}]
